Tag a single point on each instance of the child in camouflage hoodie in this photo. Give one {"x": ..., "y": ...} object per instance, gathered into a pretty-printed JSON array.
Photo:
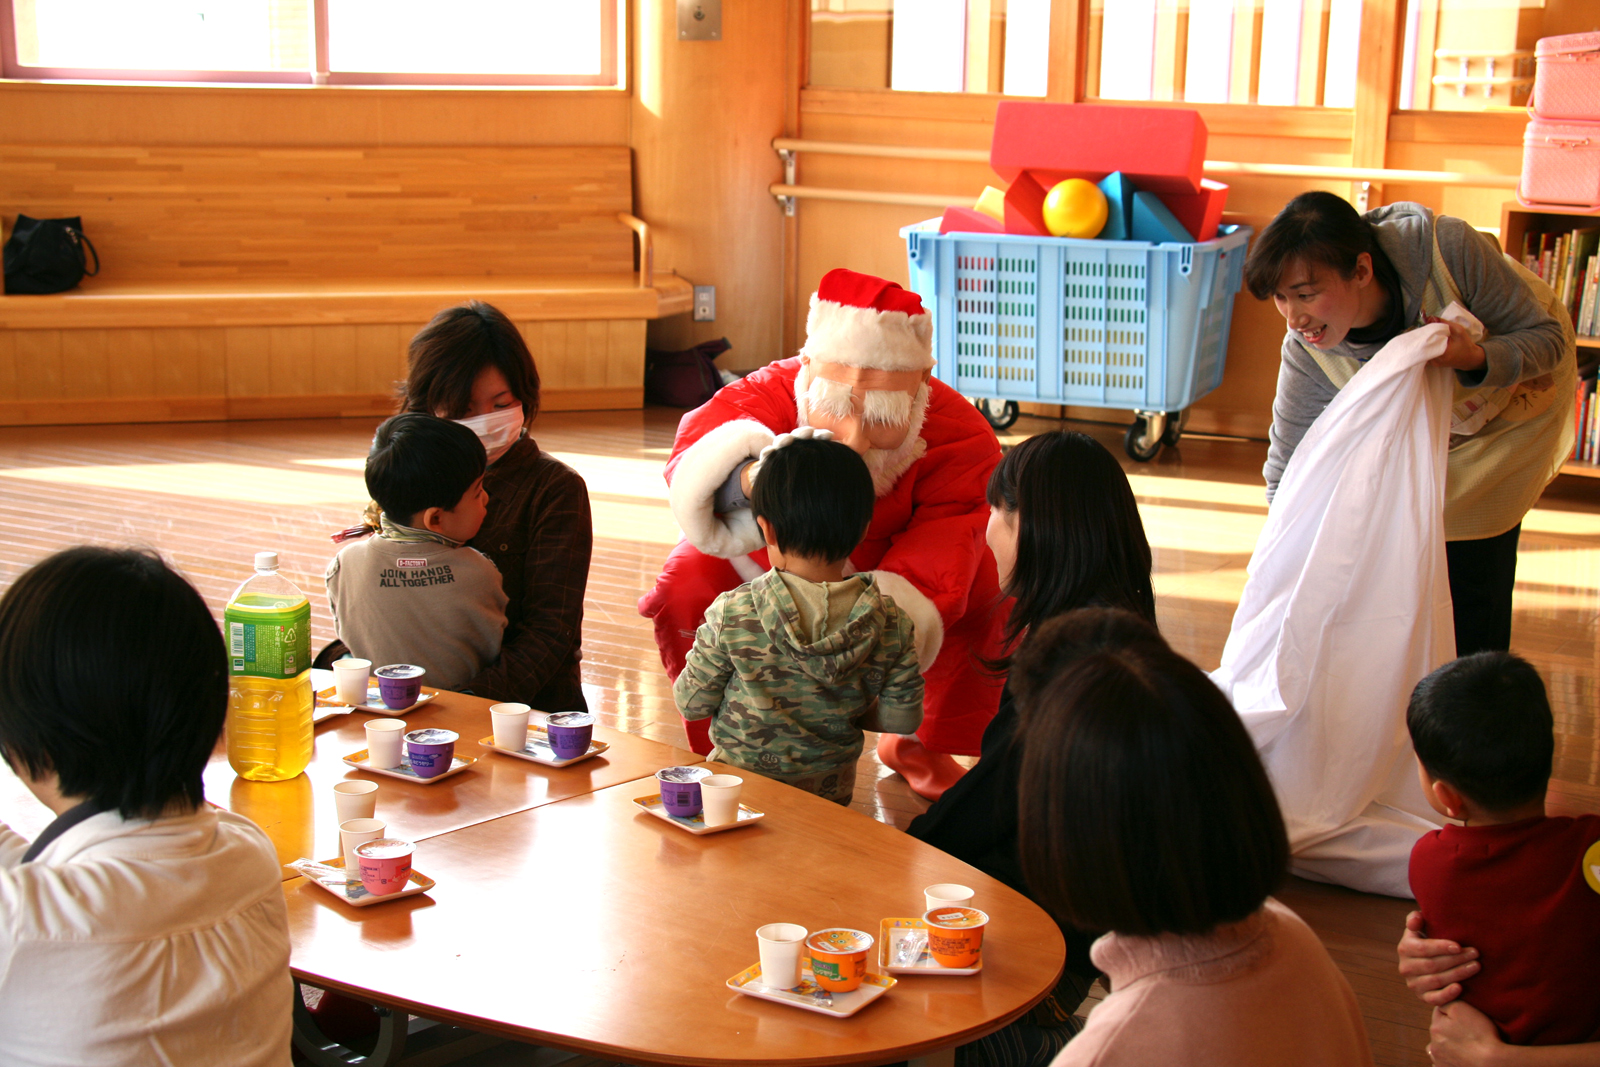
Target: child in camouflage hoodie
[{"x": 793, "y": 666}]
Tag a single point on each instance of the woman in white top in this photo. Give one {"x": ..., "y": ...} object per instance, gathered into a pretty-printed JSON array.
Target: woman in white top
[{"x": 143, "y": 926}]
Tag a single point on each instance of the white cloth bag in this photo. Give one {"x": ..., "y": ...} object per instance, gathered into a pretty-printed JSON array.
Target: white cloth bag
[{"x": 1346, "y": 608}]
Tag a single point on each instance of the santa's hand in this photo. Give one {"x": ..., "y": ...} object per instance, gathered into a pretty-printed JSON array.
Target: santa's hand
[
  {"x": 1433, "y": 969},
  {"x": 1462, "y": 1036},
  {"x": 783, "y": 440}
]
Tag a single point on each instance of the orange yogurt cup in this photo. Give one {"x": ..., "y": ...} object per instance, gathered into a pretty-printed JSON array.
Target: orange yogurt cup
[
  {"x": 839, "y": 958},
  {"x": 955, "y": 935}
]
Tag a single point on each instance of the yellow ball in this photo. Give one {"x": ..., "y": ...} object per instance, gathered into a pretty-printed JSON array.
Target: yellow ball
[{"x": 1075, "y": 208}]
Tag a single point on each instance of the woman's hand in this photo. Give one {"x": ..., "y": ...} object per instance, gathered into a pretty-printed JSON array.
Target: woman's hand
[
  {"x": 1433, "y": 970},
  {"x": 1462, "y": 1036},
  {"x": 1462, "y": 352}
]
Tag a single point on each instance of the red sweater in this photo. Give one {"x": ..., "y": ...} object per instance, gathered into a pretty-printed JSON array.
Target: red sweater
[{"x": 1519, "y": 894}]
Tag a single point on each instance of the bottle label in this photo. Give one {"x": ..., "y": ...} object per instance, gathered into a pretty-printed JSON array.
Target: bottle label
[{"x": 268, "y": 644}]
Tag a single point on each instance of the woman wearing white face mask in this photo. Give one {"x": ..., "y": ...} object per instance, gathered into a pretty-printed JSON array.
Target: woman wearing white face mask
[{"x": 471, "y": 365}]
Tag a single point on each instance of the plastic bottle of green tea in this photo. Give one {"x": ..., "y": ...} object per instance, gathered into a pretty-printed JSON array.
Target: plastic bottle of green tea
[{"x": 267, "y": 624}]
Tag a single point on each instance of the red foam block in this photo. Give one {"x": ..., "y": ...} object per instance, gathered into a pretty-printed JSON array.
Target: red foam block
[
  {"x": 1199, "y": 212},
  {"x": 966, "y": 220},
  {"x": 1025, "y": 206},
  {"x": 1159, "y": 149}
]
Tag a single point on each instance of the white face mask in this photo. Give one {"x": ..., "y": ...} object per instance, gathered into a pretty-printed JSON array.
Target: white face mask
[{"x": 498, "y": 430}]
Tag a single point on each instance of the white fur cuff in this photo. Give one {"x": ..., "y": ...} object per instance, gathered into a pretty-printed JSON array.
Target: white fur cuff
[
  {"x": 924, "y": 616},
  {"x": 701, "y": 471}
]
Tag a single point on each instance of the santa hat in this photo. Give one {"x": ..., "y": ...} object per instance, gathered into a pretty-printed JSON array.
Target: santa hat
[{"x": 867, "y": 322}]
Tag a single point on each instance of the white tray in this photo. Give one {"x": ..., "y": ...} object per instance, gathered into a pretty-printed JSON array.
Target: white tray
[
  {"x": 538, "y": 750},
  {"x": 404, "y": 772},
  {"x": 696, "y": 824},
  {"x": 892, "y": 933},
  {"x": 810, "y": 996},
  {"x": 352, "y": 892},
  {"x": 374, "y": 706}
]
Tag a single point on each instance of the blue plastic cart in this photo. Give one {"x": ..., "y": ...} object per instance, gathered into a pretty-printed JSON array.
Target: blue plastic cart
[{"x": 1111, "y": 324}]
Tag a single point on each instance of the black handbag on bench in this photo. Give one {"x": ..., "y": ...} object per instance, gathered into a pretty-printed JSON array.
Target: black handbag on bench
[{"x": 47, "y": 255}]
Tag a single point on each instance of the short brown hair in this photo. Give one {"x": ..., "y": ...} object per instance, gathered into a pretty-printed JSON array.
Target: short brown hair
[
  {"x": 1143, "y": 806},
  {"x": 447, "y": 355}
]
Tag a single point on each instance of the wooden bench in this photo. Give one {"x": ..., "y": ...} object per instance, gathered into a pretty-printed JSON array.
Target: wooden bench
[{"x": 285, "y": 282}]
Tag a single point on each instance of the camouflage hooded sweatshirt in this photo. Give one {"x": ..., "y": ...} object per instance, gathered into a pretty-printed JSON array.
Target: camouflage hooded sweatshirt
[{"x": 792, "y": 708}]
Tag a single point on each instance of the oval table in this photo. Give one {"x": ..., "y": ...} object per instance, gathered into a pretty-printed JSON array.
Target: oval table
[{"x": 587, "y": 925}]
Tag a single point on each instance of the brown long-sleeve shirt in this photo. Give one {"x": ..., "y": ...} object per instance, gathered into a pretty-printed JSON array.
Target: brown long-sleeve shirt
[{"x": 539, "y": 534}]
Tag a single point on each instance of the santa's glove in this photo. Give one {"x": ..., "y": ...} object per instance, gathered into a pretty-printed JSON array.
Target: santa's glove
[{"x": 784, "y": 440}]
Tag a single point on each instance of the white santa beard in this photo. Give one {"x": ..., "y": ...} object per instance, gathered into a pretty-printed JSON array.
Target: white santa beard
[{"x": 886, "y": 464}]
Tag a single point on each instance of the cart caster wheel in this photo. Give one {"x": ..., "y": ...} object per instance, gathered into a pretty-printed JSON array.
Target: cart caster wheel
[
  {"x": 1006, "y": 417},
  {"x": 1176, "y": 421},
  {"x": 1139, "y": 443}
]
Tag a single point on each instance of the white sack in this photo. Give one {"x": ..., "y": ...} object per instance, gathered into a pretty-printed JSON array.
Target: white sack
[{"x": 1346, "y": 608}]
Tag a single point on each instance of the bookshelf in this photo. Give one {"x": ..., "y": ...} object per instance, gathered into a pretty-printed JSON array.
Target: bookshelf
[{"x": 1516, "y": 221}]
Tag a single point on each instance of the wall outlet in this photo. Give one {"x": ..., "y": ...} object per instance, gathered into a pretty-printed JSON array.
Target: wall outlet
[{"x": 705, "y": 303}]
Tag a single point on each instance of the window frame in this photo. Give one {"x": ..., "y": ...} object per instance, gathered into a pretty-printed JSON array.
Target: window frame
[{"x": 608, "y": 78}]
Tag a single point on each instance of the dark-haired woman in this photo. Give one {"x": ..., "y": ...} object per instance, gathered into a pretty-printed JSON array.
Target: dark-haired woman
[
  {"x": 143, "y": 925},
  {"x": 1346, "y": 285},
  {"x": 1146, "y": 812},
  {"x": 1065, "y": 532},
  {"x": 471, "y": 365}
]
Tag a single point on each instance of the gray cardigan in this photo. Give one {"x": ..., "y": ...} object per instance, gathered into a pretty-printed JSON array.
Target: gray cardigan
[{"x": 1523, "y": 341}]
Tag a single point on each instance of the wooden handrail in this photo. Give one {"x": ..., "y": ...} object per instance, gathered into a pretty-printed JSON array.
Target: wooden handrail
[
  {"x": 867, "y": 196},
  {"x": 647, "y": 251},
  {"x": 1215, "y": 167}
]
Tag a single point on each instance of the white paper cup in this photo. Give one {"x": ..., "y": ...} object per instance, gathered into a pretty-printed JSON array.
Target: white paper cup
[
  {"x": 781, "y": 945},
  {"x": 350, "y": 676},
  {"x": 356, "y": 832},
  {"x": 719, "y": 797},
  {"x": 510, "y": 726},
  {"x": 946, "y": 895},
  {"x": 385, "y": 739},
  {"x": 355, "y": 800}
]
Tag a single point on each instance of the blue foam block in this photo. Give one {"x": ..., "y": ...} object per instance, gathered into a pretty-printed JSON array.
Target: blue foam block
[
  {"x": 1153, "y": 222},
  {"x": 1119, "y": 206}
]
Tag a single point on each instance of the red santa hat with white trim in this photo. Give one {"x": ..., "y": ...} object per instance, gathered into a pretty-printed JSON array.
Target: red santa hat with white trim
[{"x": 862, "y": 321}]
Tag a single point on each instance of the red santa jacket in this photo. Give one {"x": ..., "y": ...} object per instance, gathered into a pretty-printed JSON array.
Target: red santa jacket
[{"x": 927, "y": 529}]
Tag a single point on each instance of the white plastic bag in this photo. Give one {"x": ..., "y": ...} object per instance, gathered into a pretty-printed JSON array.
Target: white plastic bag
[{"x": 1347, "y": 607}]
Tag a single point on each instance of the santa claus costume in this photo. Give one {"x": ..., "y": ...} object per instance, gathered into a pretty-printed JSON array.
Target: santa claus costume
[{"x": 925, "y": 544}]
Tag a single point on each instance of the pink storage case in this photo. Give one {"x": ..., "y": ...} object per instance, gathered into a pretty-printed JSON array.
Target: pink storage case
[
  {"x": 1567, "y": 85},
  {"x": 1561, "y": 164}
]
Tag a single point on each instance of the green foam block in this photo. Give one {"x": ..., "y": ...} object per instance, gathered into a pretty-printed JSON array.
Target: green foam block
[
  {"x": 1119, "y": 206},
  {"x": 1153, "y": 222}
]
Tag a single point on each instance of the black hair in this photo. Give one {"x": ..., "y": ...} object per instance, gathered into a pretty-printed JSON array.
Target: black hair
[
  {"x": 1316, "y": 227},
  {"x": 447, "y": 355},
  {"x": 1143, "y": 807},
  {"x": 1482, "y": 723},
  {"x": 818, "y": 496},
  {"x": 113, "y": 675},
  {"x": 1080, "y": 540},
  {"x": 419, "y": 462}
]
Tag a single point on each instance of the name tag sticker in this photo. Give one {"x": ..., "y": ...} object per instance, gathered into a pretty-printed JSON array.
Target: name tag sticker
[
  {"x": 1591, "y": 866},
  {"x": 410, "y": 564}
]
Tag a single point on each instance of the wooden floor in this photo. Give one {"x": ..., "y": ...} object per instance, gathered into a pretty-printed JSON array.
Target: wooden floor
[{"x": 208, "y": 496}]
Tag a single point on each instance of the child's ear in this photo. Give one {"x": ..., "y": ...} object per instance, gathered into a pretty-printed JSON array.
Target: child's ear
[
  {"x": 1450, "y": 798},
  {"x": 766, "y": 531},
  {"x": 432, "y": 519}
]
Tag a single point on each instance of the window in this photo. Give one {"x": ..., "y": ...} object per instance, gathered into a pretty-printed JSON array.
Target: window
[
  {"x": 467, "y": 42},
  {"x": 954, "y": 46},
  {"x": 1274, "y": 52}
]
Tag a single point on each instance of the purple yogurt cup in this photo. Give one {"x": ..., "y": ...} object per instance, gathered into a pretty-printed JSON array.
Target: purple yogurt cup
[
  {"x": 570, "y": 733},
  {"x": 429, "y": 751},
  {"x": 680, "y": 790},
  {"x": 399, "y": 684}
]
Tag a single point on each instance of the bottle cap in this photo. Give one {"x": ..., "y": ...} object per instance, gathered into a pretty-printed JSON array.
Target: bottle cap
[{"x": 266, "y": 561}]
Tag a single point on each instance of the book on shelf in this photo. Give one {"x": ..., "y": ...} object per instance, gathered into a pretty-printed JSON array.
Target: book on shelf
[{"x": 1569, "y": 262}]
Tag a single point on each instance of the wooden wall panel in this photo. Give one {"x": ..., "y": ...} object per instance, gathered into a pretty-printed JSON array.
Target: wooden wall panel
[
  {"x": 704, "y": 115},
  {"x": 56, "y": 113}
]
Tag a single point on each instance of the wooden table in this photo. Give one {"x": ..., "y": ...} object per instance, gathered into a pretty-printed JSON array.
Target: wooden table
[
  {"x": 299, "y": 817},
  {"x": 590, "y": 926}
]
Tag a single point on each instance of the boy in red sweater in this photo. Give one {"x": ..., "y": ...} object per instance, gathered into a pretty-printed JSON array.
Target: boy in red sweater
[{"x": 1522, "y": 888}]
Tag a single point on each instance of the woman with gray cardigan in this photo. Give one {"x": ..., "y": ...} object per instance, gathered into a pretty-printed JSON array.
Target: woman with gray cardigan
[{"x": 1346, "y": 284}]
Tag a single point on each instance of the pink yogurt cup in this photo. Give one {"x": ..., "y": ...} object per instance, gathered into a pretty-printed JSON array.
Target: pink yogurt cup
[{"x": 385, "y": 865}]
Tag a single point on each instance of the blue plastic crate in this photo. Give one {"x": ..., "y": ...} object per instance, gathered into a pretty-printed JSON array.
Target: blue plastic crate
[{"x": 1116, "y": 324}]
